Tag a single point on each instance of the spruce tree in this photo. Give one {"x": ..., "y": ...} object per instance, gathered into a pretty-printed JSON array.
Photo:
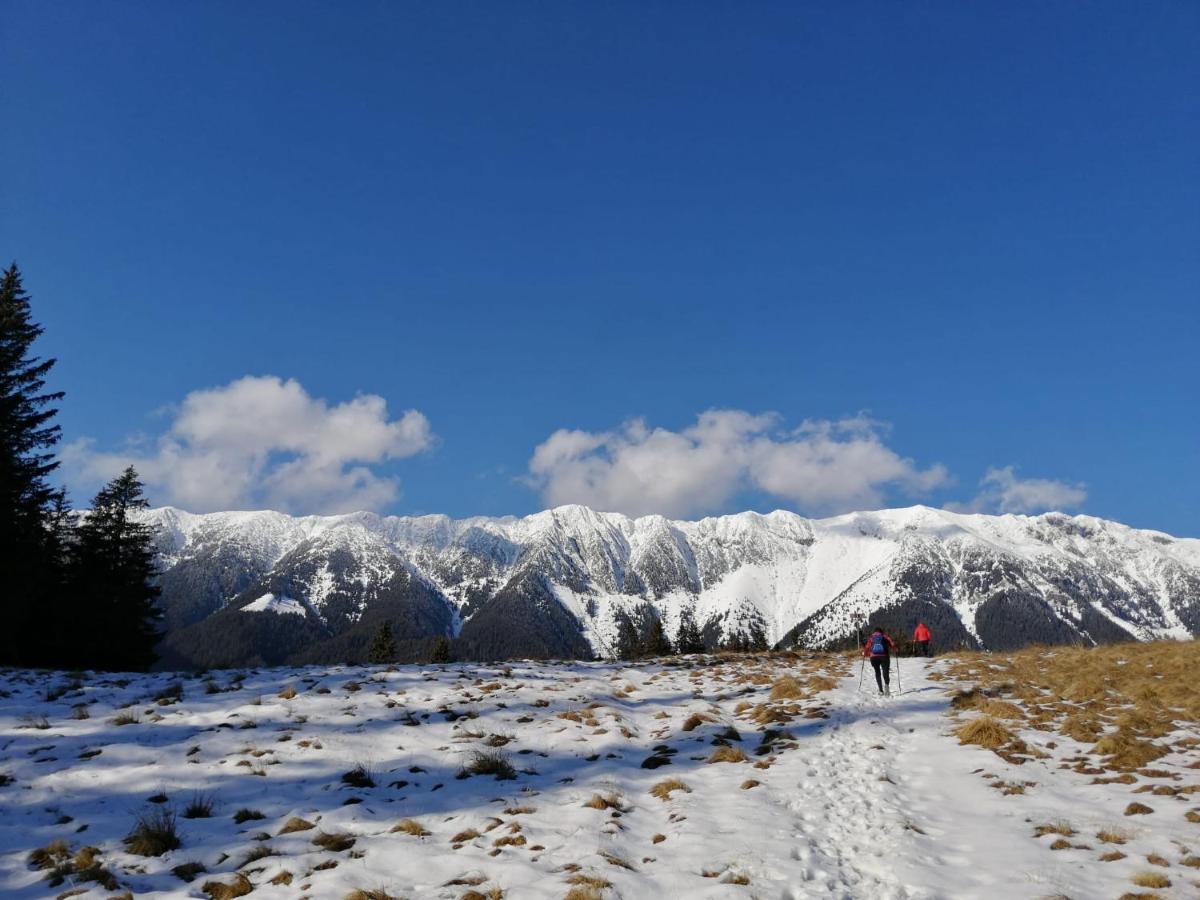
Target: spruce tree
[
  {"x": 114, "y": 578},
  {"x": 383, "y": 646},
  {"x": 441, "y": 651},
  {"x": 627, "y": 637},
  {"x": 655, "y": 641},
  {"x": 688, "y": 639},
  {"x": 27, "y": 499}
]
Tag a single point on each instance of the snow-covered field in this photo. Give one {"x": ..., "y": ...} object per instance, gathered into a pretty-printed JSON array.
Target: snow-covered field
[{"x": 826, "y": 792}]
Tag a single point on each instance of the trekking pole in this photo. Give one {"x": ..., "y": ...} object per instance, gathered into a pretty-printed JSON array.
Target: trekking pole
[
  {"x": 861, "y": 667},
  {"x": 899, "y": 688}
]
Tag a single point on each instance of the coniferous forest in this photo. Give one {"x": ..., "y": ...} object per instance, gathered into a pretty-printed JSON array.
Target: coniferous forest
[{"x": 79, "y": 585}]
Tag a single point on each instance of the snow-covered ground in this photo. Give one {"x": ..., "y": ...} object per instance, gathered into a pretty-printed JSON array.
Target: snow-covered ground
[{"x": 842, "y": 793}]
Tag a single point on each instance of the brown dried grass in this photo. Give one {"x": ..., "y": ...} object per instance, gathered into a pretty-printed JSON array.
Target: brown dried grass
[
  {"x": 1148, "y": 686},
  {"x": 787, "y": 688},
  {"x": 294, "y": 824},
  {"x": 604, "y": 801},
  {"x": 727, "y": 754},
  {"x": 984, "y": 732},
  {"x": 410, "y": 826},
  {"x": 1151, "y": 880},
  {"x": 664, "y": 788}
]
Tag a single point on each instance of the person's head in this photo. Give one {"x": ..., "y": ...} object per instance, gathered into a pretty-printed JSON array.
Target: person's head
[{"x": 878, "y": 630}]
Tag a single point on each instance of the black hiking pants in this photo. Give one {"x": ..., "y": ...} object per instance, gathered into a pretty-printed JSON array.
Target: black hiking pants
[
  {"x": 922, "y": 648},
  {"x": 883, "y": 671}
]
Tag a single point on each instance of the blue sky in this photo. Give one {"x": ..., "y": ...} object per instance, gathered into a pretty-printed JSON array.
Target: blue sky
[{"x": 940, "y": 242}]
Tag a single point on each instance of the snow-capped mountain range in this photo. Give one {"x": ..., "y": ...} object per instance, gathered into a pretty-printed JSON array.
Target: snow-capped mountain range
[{"x": 264, "y": 587}]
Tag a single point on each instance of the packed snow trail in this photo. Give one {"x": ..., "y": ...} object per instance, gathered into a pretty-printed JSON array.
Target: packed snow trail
[{"x": 891, "y": 807}]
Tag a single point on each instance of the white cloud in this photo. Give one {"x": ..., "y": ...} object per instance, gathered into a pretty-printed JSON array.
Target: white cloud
[
  {"x": 261, "y": 441},
  {"x": 822, "y": 466},
  {"x": 1002, "y": 491}
]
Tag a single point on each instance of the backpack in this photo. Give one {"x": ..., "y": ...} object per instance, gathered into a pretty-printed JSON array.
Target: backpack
[{"x": 878, "y": 645}]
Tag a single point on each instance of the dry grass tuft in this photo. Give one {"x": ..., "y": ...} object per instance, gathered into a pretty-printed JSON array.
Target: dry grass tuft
[
  {"x": 1138, "y": 809},
  {"x": 83, "y": 867},
  {"x": 605, "y": 801},
  {"x": 288, "y": 693},
  {"x": 1112, "y": 856},
  {"x": 377, "y": 894},
  {"x": 294, "y": 824},
  {"x": 239, "y": 887},
  {"x": 1123, "y": 750},
  {"x": 260, "y": 852},
  {"x": 410, "y": 826},
  {"x": 1151, "y": 880},
  {"x": 787, "y": 688},
  {"x": 694, "y": 721},
  {"x": 614, "y": 860},
  {"x": 53, "y": 853},
  {"x": 1112, "y": 836},
  {"x": 335, "y": 841},
  {"x": 1060, "y": 827},
  {"x": 727, "y": 754},
  {"x": 1001, "y": 709},
  {"x": 663, "y": 789},
  {"x": 490, "y": 762},
  {"x": 750, "y": 783},
  {"x": 154, "y": 833},
  {"x": 984, "y": 732},
  {"x": 586, "y": 887},
  {"x": 821, "y": 683}
]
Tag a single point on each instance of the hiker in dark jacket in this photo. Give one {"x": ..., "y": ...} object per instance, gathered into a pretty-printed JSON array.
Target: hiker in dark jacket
[{"x": 879, "y": 649}]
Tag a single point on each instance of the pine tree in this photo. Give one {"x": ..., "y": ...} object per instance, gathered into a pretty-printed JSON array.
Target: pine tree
[
  {"x": 688, "y": 639},
  {"x": 113, "y": 577},
  {"x": 627, "y": 636},
  {"x": 383, "y": 646},
  {"x": 27, "y": 500},
  {"x": 655, "y": 641},
  {"x": 441, "y": 651}
]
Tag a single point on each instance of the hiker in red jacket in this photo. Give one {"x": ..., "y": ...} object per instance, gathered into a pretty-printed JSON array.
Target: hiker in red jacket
[
  {"x": 922, "y": 637},
  {"x": 879, "y": 649}
]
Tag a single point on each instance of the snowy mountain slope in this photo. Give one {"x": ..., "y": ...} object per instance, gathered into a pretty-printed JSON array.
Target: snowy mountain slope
[{"x": 562, "y": 582}]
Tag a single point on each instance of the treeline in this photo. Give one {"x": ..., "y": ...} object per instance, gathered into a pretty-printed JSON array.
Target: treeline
[
  {"x": 639, "y": 636},
  {"x": 78, "y": 588}
]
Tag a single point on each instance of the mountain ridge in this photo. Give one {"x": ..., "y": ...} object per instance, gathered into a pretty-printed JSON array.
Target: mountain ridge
[{"x": 571, "y": 581}]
